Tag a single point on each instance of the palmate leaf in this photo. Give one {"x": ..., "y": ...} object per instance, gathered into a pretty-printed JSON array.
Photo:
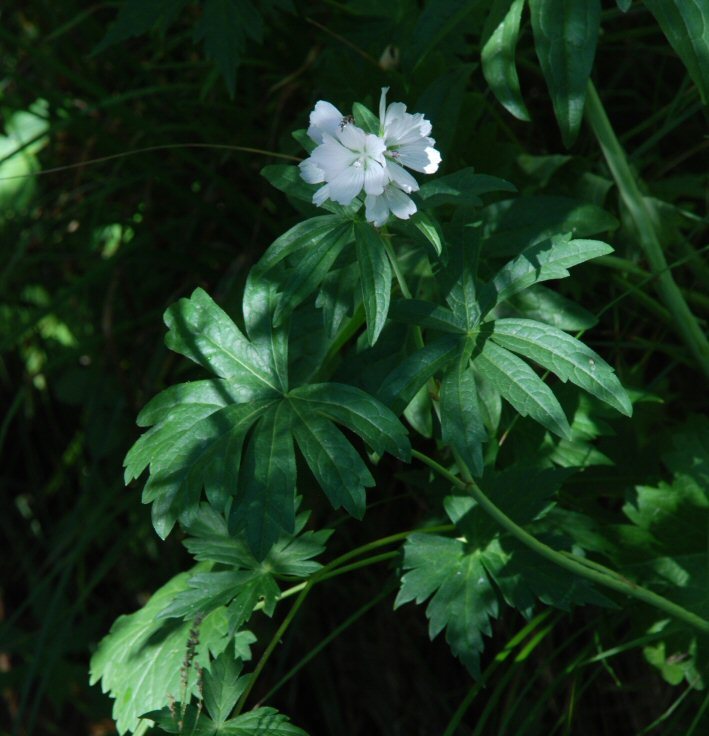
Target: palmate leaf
[
  {"x": 472, "y": 354},
  {"x": 547, "y": 260},
  {"x": 234, "y": 435},
  {"x": 466, "y": 579},
  {"x": 246, "y": 581},
  {"x": 257, "y": 722},
  {"x": 139, "y": 661},
  {"x": 563, "y": 355}
]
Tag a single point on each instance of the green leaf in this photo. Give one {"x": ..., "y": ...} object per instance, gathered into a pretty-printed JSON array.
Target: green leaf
[
  {"x": 544, "y": 305},
  {"x": 291, "y": 555},
  {"x": 499, "y": 42},
  {"x": 304, "y": 235},
  {"x": 685, "y": 23},
  {"x": 288, "y": 180},
  {"x": 565, "y": 356},
  {"x": 624, "y": 5},
  {"x": 193, "y": 447},
  {"x": 542, "y": 262},
  {"x": 459, "y": 278},
  {"x": 223, "y": 686},
  {"x": 522, "y": 388},
  {"x": 426, "y": 314},
  {"x": 463, "y": 187},
  {"x": 430, "y": 229},
  {"x": 375, "y": 273},
  {"x": 203, "y": 332},
  {"x": 136, "y": 17},
  {"x": 365, "y": 118},
  {"x": 139, "y": 661},
  {"x": 462, "y": 425},
  {"x": 225, "y": 26},
  {"x": 565, "y": 37},
  {"x": 463, "y": 599},
  {"x": 404, "y": 382},
  {"x": 265, "y": 505},
  {"x": 514, "y": 224},
  {"x": 364, "y": 415},
  {"x": 257, "y": 722},
  {"x": 302, "y": 279},
  {"x": 333, "y": 461}
]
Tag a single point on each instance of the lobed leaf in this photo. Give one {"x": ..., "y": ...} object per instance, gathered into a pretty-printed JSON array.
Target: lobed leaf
[
  {"x": 138, "y": 662},
  {"x": 203, "y": 332},
  {"x": 522, "y": 388},
  {"x": 265, "y": 504},
  {"x": 364, "y": 415},
  {"x": 565, "y": 356},
  {"x": 404, "y": 382},
  {"x": 333, "y": 461},
  {"x": 541, "y": 262}
]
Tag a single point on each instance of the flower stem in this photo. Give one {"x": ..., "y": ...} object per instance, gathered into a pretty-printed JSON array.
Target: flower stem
[
  {"x": 644, "y": 217},
  {"x": 595, "y": 573}
]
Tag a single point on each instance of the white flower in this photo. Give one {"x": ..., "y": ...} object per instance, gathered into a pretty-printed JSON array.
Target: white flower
[
  {"x": 348, "y": 160},
  {"x": 391, "y": 201},
  {"x": 407, "y": 137}
]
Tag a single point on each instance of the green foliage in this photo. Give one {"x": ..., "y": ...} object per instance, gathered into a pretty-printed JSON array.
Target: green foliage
[
  {"x": 457, "y": 321},
  {"x": 200, "y": 428},
  {"x": 565, "y": 37},
  {"x": 145, "y": 660},
  {"x": 466, "y": 578},
  {"x": 686, "y": 26}
]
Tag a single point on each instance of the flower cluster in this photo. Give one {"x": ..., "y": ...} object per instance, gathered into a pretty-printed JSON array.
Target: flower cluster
[{"x": 348, "y": 160}]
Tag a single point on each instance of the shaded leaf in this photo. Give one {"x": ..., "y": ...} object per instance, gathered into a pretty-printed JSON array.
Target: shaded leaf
[
  {"x": 565, "y": 37},
  {"x": 685, "y": 23},
  {"x": 565, "y": 356},
  {"x": 499, "y": 42},
  {"x": 375, "y": 277},
  {"x": 522, "y": 388}
]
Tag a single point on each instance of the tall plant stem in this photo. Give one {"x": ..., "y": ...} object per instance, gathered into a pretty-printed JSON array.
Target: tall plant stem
[
  {"x": 644, "y": 218},
  {"x": 331, "y": 570},
  {"x": 572, "y": 563}
]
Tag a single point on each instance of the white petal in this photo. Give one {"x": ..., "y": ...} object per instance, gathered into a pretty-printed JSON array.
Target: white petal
[
  {"x": 332, "y": 157},
  {"x": 419, "y": 156},
  {"x": 325, "y": 118},
  {"x": 311, "y": 172},
  {"x": 347, "y": 185},
  {"x": 321, "y": 195},
  {"x": 399, "y": 203},
  {"x": 383, "y": 105},
  {"x": 375, "y": 178},
  {"x": 401, "y": 177},
  {"x": 352, "y": 137},
  {"x": 434, "y": 159},
  {"x": 376, "y": 210},
  {"x": 374, "y": 147}
]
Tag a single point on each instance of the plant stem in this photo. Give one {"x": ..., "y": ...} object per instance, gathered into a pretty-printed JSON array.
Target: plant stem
[
  {"x": 272, "y": 645},
  {"x": 644, "y": 217},
  {"x": 326, "y": 641},
  {"x": 568, "y": 561},
  {"x": 331, "y": 570}
]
